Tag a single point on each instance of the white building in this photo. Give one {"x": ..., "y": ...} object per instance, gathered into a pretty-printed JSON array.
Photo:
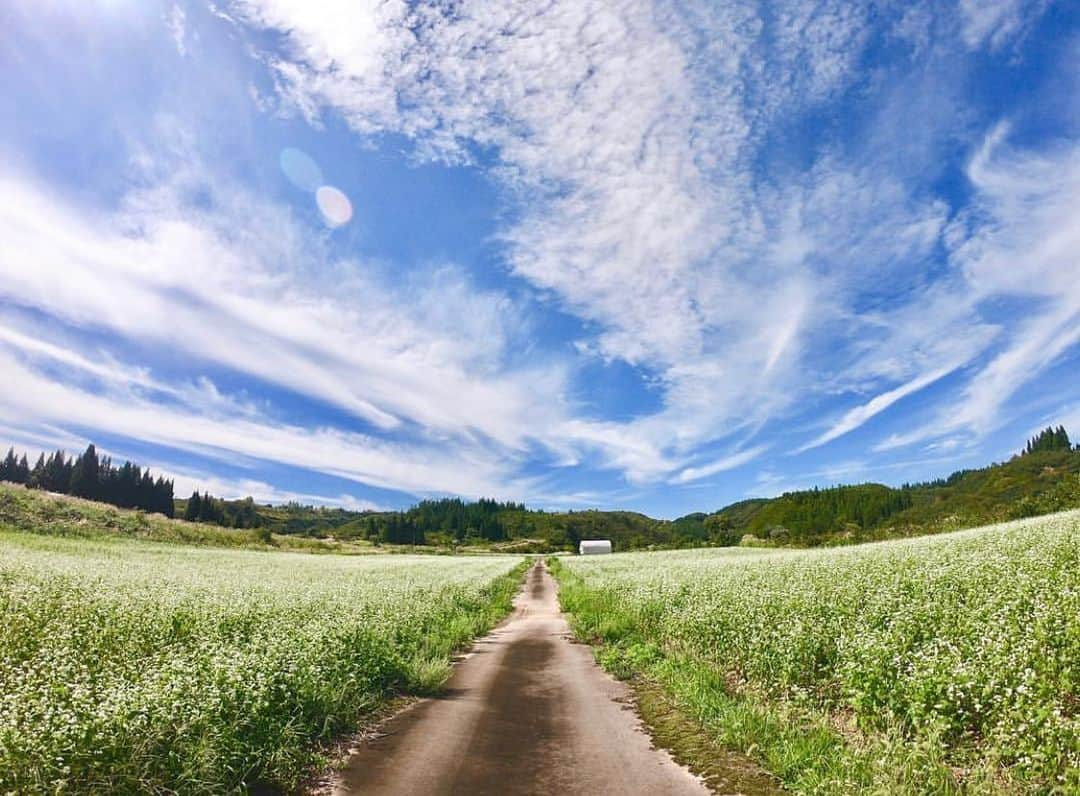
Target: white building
[{"x": 594, "y": 547}]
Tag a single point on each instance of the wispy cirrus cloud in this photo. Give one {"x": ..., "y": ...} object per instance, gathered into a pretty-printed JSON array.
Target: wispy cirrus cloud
[
  {"x": 1019, "y": 239},
  {"x": 994, "y": 23},
  {"x": 855, "y": 417},
  {"x": 720, "y": 465},
  {"x": 117, "y": 409},
  {"x": 229, "y": 287}
]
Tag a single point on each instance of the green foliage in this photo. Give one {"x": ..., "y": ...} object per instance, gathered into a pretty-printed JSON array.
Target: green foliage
[
  {"x": 1035, "y": 483},
  {"x": 1027, "y": 485},
  {"x": 92, "y": 477},
  {"x": 1049, "y": 439},
  {"x": 14, "y": 469},
  {"x": 135, "y": 667},
  {"x": 228, "y": 513},
  {"x": 957, "y": 653},
  {"x": 813, "y": 513},
  {"x": 460, "y": 519}
]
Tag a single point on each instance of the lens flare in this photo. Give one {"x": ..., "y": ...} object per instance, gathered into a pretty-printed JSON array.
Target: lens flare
[
  {"x": 300, "y": 169},
  {"x": 334, "y": 205}
]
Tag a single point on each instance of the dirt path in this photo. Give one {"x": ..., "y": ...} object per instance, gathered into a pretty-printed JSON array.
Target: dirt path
[{"x": 528, "y": 712}]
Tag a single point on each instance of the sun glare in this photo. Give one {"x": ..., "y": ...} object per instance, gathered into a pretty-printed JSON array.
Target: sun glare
[
  {"x": 300, "y": 169},
  {"x": 334, "y": 205}
]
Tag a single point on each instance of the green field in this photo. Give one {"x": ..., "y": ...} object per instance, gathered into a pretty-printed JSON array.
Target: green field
[
  {"x": 129, "y": 666},
  {"x": 934, "y": 665}
]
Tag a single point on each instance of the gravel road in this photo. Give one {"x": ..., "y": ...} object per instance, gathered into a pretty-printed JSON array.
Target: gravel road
[{"x": 527, "y": 712}]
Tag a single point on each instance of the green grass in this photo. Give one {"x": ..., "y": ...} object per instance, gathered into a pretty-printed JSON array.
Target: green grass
[
  {"x": 942, "y": 664},
  {"x": 129, "y": 666}
]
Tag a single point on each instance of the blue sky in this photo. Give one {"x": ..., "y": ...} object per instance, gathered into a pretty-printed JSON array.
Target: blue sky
[{"x": 649, "y": 255}]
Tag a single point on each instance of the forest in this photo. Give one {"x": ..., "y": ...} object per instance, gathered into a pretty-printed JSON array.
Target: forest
[{"x": 92, "y": 477}]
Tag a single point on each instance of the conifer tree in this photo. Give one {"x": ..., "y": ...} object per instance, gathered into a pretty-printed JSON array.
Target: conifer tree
[
  {"x": 1049, "y": 439},
  {"x": 193, "y": 508},
  {"x": 86, "y": 475},
  {"x": 37, "y": 475},
  {"x": 9, "y": 467}
]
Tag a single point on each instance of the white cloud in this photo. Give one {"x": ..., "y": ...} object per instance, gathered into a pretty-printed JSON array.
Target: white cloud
[
  {"x": 1020, "y": 239},
  {"x": 177, "y": 23},
  {"x": 720, "y": 465},
  {"x": 204, "y": 285},
  {"x": 35, "y": 441},
  {"x": 228, "y": 289},
  {"x": 631, "y": 132},
  {"x": 117, "y": 409},
  {"x": 997, "y": 22},
  {"x": 855, "y": 417}
]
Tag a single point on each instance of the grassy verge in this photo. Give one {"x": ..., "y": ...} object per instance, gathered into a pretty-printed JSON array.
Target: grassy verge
[
  {"x": 430, "y": 667},
  {"x": 674, "y": 727}
]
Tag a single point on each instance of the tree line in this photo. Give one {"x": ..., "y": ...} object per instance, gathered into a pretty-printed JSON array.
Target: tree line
[
  {"x": 1049, "y": 439},
  {"x": 1038, "y": 479},
  {"x": 484, "y": 519},
  {"x": 92, "y": 477},
  {"x": 805, "y": 517},
  {"x": 813, "y": 512},
  {"x": 229, "y": 513}
]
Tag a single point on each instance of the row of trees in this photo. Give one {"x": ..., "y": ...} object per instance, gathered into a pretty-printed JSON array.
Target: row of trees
[
  {"x": 92, "y": 477},
  {"x": 482, "y": 518},
  {"x": 230, "y": 513},
  {"x": 395, "y": 528},
  {"x": 1049, "y": 439}
]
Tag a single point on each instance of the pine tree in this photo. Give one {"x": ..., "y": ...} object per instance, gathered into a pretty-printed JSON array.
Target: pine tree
[
  {"x": 56, "y": 473},
  {"x": 1049, "y": 439},
  {"x": 193, "y": 508},
  {"x": 86, "y": 475},
  {"x": 9, "y": 467},
  {"x": 163, "y": 497},
  {"x": 37, "y": 475}
]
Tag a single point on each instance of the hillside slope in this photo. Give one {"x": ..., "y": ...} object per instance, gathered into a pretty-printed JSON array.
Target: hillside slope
[{"x": 1028, "y": 485}]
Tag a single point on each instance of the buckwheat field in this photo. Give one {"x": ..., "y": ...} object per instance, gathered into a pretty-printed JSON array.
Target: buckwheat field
[
  {"x": 139, "y": 667},
  {"x": 938, "y": 664}
]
